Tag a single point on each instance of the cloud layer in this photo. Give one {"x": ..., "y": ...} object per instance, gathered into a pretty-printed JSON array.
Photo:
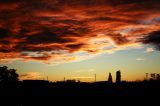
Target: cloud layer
[
  {"x": 149, "y": 50},
  {"x": 29, "y": 76},
  {"x": 60, "y": 30},
  {"x": 140, "y": 59},
  {"x": 153, "y": 38}
]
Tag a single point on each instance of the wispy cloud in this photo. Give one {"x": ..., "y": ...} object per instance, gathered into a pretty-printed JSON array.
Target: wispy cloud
[
  {"x": 140, "y": 59},
  {"x": 30, "y": 75},
  {"x": 148, "y": 50}
]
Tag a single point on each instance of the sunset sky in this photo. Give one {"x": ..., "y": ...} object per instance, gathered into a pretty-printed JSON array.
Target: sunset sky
[{"x": 76, "y": 39}]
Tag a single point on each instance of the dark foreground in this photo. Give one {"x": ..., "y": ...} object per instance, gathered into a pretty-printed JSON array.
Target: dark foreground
[{"x": 44, "y": 89}]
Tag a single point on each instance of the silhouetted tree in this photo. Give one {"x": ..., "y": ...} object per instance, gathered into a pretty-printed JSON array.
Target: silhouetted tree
[
  {"x": 110, "y": 78},
  {"x": 158, "y": 77},
  {"x": 153, "y": 76},
  {"x": 8, "y": 75}
]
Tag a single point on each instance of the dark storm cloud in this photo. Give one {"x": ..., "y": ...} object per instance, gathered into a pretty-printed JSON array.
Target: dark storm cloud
[
  {"x": 4, "y": 33},
  {"x": 153, "y": 38},
  {"x": 54, "y": 25},
  {"x": 9, "y": 1}
]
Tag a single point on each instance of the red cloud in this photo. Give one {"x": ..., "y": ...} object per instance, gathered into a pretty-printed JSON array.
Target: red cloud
[{"x": 43, "y": 27}]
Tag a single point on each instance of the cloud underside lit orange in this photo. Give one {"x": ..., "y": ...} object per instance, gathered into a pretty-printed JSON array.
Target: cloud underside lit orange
[
  {"x": 69, "y": 30},
  {"x": 30, "y": 75}
]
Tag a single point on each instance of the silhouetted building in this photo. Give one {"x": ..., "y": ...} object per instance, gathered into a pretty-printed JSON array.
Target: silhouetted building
[
  {"x": 35, "y": 83},
  {"x": 118, "y": 76},
  {"x": 71, "y": 81},
  {"x": 110, "y": 78}
]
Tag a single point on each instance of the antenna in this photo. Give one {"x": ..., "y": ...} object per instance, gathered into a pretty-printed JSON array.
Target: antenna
[
  {"x": 95, "y": 77},
  {"x": 64, "y": 79}
]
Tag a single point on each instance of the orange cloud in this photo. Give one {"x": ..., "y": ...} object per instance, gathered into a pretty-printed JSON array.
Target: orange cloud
[
  {"x": 149, "y": 50},
  {"x": 58, "y": 30},
  {"x": 29, "y": 76}
]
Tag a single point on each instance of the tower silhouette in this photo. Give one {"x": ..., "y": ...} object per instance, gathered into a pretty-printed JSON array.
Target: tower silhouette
[
  {"x": 118, "y": 76},
  {"x": 110, "y": 78},
  {"x": 95, "y": 77}
]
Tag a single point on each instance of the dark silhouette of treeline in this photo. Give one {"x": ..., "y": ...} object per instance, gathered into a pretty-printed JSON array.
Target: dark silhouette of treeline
[{"x": 10, "y": 86}]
